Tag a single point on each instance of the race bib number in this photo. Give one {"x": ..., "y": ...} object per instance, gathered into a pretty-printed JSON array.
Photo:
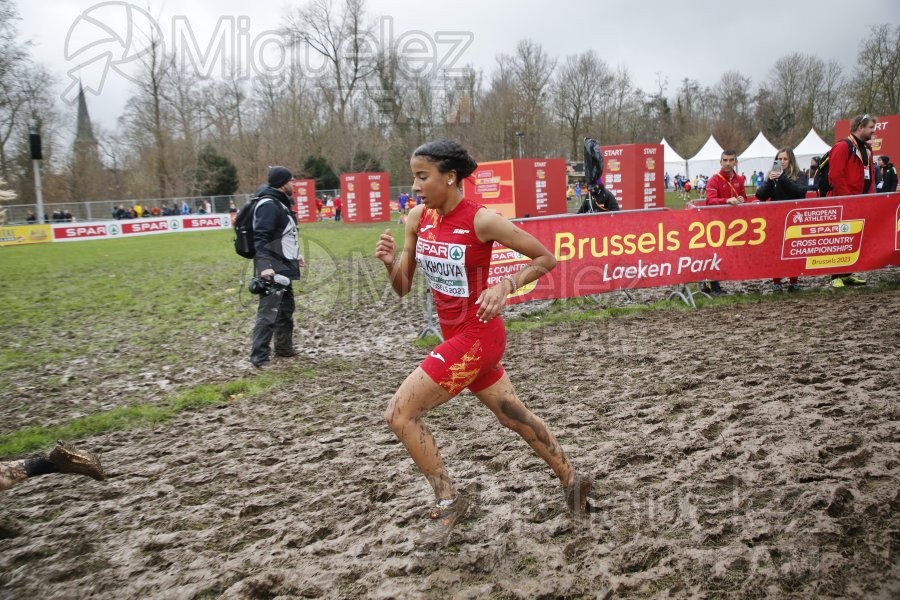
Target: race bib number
[{"x": 444, "y": 266}]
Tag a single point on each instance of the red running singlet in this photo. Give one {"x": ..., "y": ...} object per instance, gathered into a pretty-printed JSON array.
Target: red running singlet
[{"x": 456, "y": 265}]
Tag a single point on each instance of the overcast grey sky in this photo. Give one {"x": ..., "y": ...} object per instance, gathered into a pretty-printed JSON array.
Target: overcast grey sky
[{"x": 654, "y": 39}]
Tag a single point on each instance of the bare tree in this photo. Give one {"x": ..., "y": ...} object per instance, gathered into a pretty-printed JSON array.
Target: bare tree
[
  {"x": 692, "y": 117},
  {"x": 614, "y": 106},
  {"x": 577, "y": 89},
  {"x": 25, "y": 98},
  {"x": 530, "y": 72},
  {"x": 147, "y": 117},
  {"x": 497, "y": 116},
  {"x": 831, "y": 97},
  {"x": 343, "y": 41},
  {"x": 876, "y": 84},
  {"x": 734, "y": 127}
]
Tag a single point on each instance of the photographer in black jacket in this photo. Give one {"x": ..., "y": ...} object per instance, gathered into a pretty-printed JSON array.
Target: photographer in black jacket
[
  {"x": 888, "y": 181},
  {"x": 277, "y": 253},
  {"x": 598, "y": 199}
]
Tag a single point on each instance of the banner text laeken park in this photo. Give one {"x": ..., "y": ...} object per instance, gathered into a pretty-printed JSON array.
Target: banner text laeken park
[
  {"x": 635, "y": 249},
  {"x": 640, "y": 249}
]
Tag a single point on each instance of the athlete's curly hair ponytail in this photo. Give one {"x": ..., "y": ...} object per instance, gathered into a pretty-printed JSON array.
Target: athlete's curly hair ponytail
[{"x": 449, "y": 156}]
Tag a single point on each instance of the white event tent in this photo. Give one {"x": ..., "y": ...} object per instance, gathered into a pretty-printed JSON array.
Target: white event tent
[
  {"x": 812, "y": 145},
  {"x": 673, "y": 163},
  {"x": 758, "y": 156},
  {"x": 706, "y": 161}
]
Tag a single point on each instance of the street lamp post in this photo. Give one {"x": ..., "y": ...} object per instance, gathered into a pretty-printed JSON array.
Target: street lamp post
[
  {"x": 35, "y": 142},
  {"x": 520, "y": 135}
]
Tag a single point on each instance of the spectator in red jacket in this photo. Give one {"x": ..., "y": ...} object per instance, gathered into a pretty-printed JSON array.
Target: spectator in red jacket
[
  {"x": 725, "y": 187},
  {"x": 852, "y": 172}
]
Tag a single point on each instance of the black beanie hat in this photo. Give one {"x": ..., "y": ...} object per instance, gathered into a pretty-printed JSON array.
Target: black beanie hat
[{"x": 278, "y": 176}]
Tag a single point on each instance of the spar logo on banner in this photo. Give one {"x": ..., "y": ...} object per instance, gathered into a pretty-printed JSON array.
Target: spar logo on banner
[
  {"x": 83, "y": 232},
  {"x": 206, "y": 222},
  {"x": 144, "y": 227},
  {"x": 822, "y": 237},
  {"x": 444, "y": 266},
  {"x": 506, "y": 263}
]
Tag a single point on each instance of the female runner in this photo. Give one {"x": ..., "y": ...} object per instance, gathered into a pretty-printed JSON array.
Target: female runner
[{"x": 450, "y": 238}]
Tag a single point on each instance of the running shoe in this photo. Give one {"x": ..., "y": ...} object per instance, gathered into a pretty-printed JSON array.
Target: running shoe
[
  {"x": 577, "y": 494},
  {"x": 777, "y": 288},
  {"x": 444, "y": 516},
  {"x": 837, "y": 283},
  {"x": 854, "y": 280}
]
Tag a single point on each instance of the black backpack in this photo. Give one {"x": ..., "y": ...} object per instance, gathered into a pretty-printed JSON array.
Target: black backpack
[
  {"x": 243, "y": 229},
  {"x": 820, "y": 181}
]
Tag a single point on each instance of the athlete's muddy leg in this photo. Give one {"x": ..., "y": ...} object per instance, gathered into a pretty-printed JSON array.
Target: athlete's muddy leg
[
  {"x": 501, "y": 398},
  {"x": 417, "y": 395}
]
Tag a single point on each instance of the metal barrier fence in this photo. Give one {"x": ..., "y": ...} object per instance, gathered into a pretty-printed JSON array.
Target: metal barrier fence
[{"x": 102, "y": 210}]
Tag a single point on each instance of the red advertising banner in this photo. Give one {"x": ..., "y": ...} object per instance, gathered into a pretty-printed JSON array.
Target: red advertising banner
[
  {"x": 523, "y": 187},
  {"x": 886, "y": 139},
  {"x": 366, "y": 197},
  {"x": 202, "y": 222},
  {"x": 634, "y": 174},
  {"x": 605, "y": 252},
  {"x": 492, "y": 185},
  {"x": 540, "y": 187},
  {"x": 74, "y": 232},
  {"x": 305, "y": 200}
]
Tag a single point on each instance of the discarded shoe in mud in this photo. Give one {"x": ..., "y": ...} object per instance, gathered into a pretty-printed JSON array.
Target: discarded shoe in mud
[{"x": 69, "y": 459}]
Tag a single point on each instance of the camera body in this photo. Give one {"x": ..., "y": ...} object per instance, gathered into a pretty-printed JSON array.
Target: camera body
[{"x": 264, "y": 287}]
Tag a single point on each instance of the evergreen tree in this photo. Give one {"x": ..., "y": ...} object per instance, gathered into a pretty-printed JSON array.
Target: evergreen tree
[
  {"x": 317, "y": 167},
  {"x": 216, "y": 175}
]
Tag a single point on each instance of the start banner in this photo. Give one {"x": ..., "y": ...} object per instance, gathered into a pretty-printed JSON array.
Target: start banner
[
  {"x": 75, "y": 232},
  {"x": 638, "y": 249}
]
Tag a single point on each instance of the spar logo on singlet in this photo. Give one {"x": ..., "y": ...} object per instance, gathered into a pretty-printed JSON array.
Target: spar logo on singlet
[{"x": 444, "y": 266}]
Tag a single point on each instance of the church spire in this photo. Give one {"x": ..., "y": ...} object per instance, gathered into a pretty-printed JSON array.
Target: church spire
[{"x": 85, "y": 132}]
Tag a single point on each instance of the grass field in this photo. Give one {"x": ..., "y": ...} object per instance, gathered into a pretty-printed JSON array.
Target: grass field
[
  {"x": 119, "y": 307},
  {"x": 141, "y": 287}
]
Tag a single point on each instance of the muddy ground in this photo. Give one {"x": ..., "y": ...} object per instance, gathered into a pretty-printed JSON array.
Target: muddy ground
[{"x": 740, "y": 451}]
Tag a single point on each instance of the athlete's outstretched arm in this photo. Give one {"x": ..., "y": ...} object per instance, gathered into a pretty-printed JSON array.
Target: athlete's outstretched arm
[
  {"x": 489, "y": 226},
  {"x": 401, "y": 268}
]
